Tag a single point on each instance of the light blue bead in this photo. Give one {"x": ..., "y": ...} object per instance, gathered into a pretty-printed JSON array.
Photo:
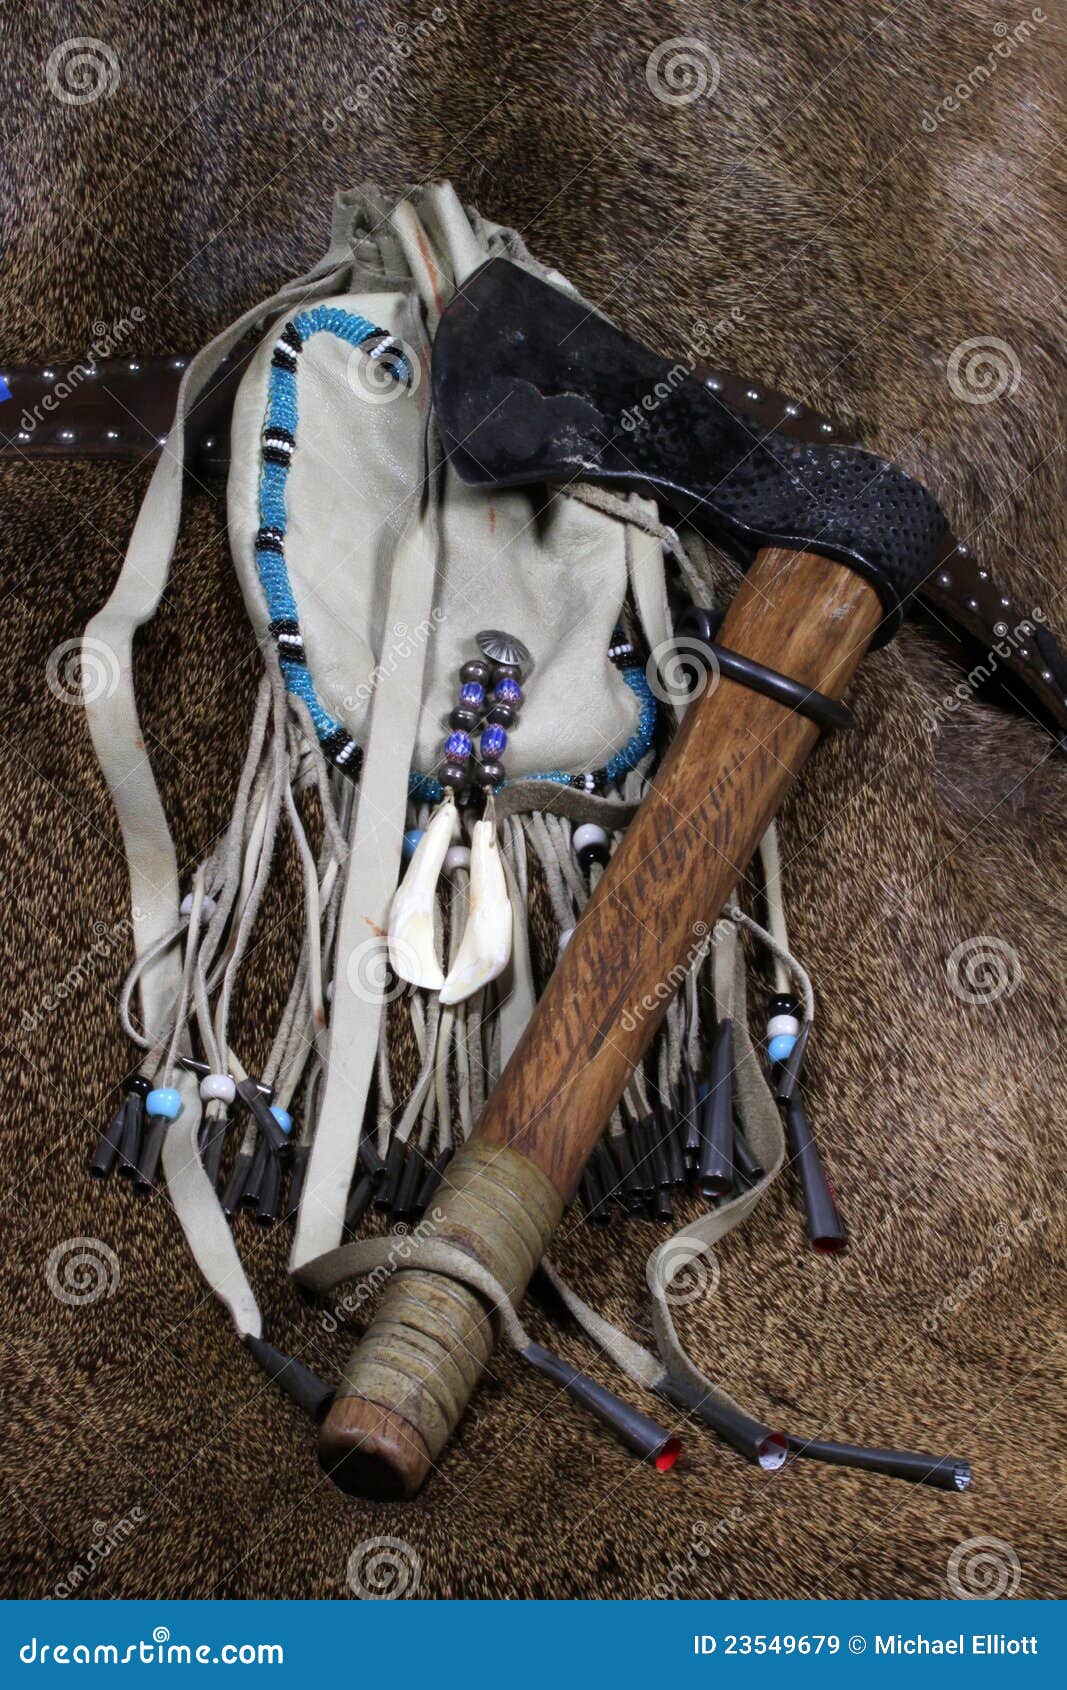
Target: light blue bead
[
  {"x": 779, "y": 1047},
  {"x": 283, "y": 1117},
  {"x": 411, "y": 840},
  {"x": 165, "y": 1101}
]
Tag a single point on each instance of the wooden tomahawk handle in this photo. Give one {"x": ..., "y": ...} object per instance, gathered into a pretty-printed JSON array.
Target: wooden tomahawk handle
[{"x": 720, "y": 784}]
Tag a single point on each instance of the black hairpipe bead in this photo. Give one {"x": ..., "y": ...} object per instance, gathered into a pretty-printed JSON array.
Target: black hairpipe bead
[
  {"x": 235, "y": 1187},
  {"x": 610, "y": 1177},
  {"x": 270, "y": 1192},
  {"x": 663, "y": 1203},
  {"x": 715, "y": 1167},
  {"x": 108, "y": 1145},
  {"x": 432, "y": 1179},
  {"x": 306, "y": 1389},
  {"x": 945, "y": 1472},
  {"x": 672, "y": 1146},
  {"x": 824, "y": 1223},
  {"x": 385, "y": 1196},
  {"x": 661, "y": 1168},
  {"x": 297, "y": 1176},
  {"x": 147, "y": 1169},
  {"x": 644, "y": 1171},
  {"x": 133, "y": 1120},
  {"x": 369, "y": 1158},
  {"x": 358, "y": 1203},
  {"x": 651, "y": 1441},
  {"x": 254, "y": 1182},
  {"x": 757, "y": 1442},
  {"x": 407, "y": 1191},
  {"x": 744, "y": 1160},
  {"x": 689, "y": 1125},
  {"x": 258, "y": 1102},
  {"x": 594, "y": 1196},
  {"x": 785, "y": 1076}
]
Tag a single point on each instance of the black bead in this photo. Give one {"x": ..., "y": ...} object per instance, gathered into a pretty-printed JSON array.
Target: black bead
[
  {"x": 506, "y": 672},
  {"x": 475, "y": 670},
  {"x": 138, "y": 1086},
  {"x": 783, "y": 1003},
  {"x": 466, "y": 719},
  {"x": 454, "y": 774},
  {"x": 489, "y": 774},
  {"x": 590, "y": 854},
  {"x": 502, "y": 715}
]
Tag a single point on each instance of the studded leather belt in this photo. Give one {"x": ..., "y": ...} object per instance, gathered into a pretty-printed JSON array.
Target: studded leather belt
[{"x": 123, "y": 408}]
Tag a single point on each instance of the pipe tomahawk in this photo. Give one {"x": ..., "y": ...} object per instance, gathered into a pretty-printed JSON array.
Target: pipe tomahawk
[{"x": 529, "y": 386}]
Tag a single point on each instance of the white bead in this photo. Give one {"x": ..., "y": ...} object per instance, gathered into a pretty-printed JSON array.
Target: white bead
[
  {"x": 782, "y": 1024},
  {"x": 218, "y": 1086},
  {"x": 456, "y": 857},
  {"x": 207, "y": 906},
  {"x": 588, "y": 834},
  {"x": 564, "y": 939}
]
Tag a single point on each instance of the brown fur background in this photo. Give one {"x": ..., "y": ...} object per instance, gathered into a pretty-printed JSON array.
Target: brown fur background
[{"x": 859, "y": 250}]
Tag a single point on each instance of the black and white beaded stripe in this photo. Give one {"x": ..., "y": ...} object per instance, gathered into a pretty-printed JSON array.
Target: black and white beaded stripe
[
  {"x": 343, "y": 752},
  {"x": 278, "y": 445},
  {"x": 290, "y": 642}
]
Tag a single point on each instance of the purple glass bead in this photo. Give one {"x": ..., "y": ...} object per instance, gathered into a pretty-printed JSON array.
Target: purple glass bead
[
  {"x": 508, "y": 691},
  {"x": 494, "y": 743},
  {"x": 472, "y": 694},
  {"x": 458, "y": 747}
]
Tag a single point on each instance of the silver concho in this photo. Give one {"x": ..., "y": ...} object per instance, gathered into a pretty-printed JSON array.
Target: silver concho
[{"x": 504, "y": 648}]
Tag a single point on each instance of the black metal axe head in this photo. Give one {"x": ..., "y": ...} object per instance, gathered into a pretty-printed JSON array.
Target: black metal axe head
[{"x": 530, "y": 385}]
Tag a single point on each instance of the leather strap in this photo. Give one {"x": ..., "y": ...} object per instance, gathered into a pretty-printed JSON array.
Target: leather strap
[{"x": 124, "y": 407}]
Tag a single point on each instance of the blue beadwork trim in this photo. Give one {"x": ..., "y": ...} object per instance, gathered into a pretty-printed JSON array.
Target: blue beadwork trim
[
  {"x": 278, "y": 443},
  {"x": 636, "y": 747}
]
